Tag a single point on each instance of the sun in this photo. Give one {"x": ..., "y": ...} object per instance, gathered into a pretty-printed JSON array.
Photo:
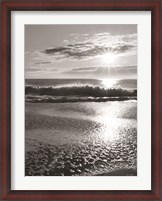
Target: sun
[{"x": 108, "y": 58}]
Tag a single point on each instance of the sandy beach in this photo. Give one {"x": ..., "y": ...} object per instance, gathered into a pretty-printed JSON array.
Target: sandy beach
[{"x": 81, "y": 139}]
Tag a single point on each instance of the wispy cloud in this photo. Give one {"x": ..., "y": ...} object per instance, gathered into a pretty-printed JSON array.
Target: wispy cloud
[
  {"x": 94, "y": 46},
  {"x": 43, "y": 62},
  {"x": 86, "y": 47},
  {"x": 101, "y": 68},
  {"x": 83, "y": 69},
  {"x": 86, "y": 51}
]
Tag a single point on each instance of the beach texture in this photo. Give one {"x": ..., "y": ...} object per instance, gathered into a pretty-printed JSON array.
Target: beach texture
[{"x": 81, "y": 139}]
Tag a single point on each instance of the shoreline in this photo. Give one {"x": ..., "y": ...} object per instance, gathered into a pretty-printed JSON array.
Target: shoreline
[{"x": 75, "y": 99}]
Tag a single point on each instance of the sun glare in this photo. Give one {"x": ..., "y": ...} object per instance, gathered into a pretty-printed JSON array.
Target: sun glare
[
  {"x": 108, "y": 58},
  {"x": 108, "y": 83}
]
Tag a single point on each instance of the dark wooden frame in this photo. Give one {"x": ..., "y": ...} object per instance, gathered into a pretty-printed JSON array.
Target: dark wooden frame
[{"x": 5, "y": 97}]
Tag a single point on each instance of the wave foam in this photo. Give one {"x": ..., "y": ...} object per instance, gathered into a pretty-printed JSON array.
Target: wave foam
[
  {"x": 63, "y": 99},
  {"x": 86, "y": 90}
]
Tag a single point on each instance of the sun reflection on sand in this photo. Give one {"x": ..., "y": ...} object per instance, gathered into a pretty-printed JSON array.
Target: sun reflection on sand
[
  {"x": 110, "y": 128},
  {"x": 93, "y": 138}
]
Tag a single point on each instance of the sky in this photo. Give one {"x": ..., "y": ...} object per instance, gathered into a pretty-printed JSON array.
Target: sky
[{"x": 81, "y": 51}]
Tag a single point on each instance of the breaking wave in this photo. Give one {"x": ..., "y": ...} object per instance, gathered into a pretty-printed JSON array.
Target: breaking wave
[
  {"x": 81, "y": 93},
  {"x": 86, "y": 90}
]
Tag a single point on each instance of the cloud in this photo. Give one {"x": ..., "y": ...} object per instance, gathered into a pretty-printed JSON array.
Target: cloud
[
  {"x": 65, "y": 41},
  {"x": 123, "y": 48},
  {"x": 102, "y": 68},
  {"x": 43, "y": 62},
  {"x": 81, "y": 48},
  {"x": 126, "y": 69},
  {"x": 85, "y": 51},
  {"x": 84, "y": 69},
  {"x": 96, "y": 45}
]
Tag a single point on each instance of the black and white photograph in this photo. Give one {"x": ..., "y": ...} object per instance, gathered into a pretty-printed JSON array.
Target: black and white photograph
[{"x": 81, "y": 100}]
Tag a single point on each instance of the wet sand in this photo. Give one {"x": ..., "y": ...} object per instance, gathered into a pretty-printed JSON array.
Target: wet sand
[{"x": 81, "y": 139}]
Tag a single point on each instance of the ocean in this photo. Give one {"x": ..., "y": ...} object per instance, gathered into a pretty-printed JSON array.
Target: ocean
[
  {"x": 77, "y": 90},
  {"x": 105, "y": 83},
  {"x": 80, "y": 127}
]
